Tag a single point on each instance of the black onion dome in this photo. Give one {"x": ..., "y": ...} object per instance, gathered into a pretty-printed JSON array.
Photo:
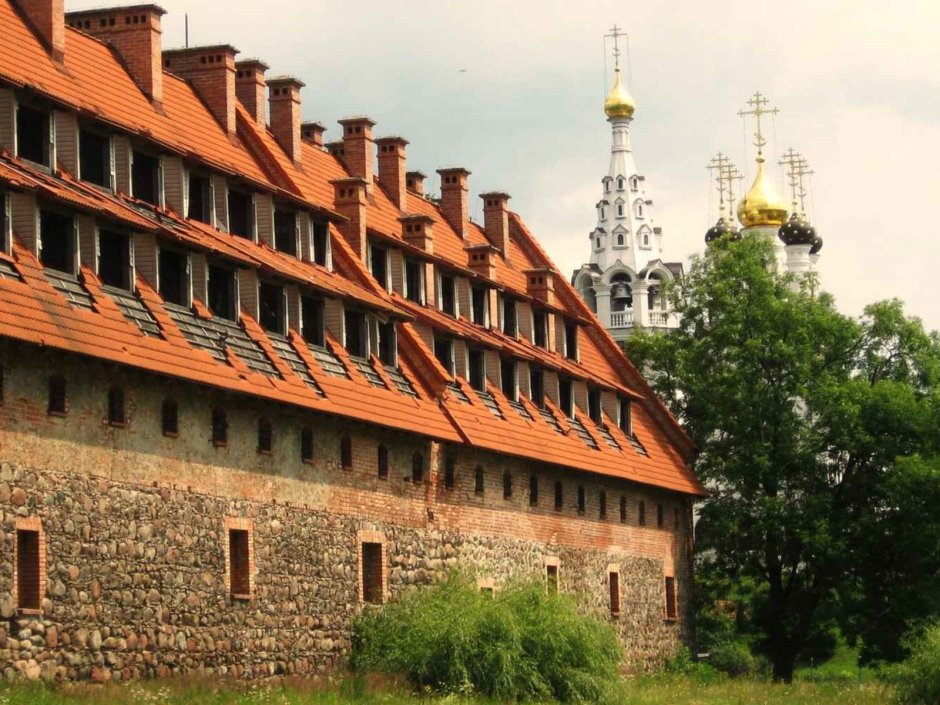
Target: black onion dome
[
  {"x": 797, "y": 231},
  {"x": 721, "y": 229},
  {"x": 817, "y": 245}
]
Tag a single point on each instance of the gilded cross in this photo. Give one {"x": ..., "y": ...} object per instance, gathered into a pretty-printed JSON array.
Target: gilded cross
[
  {"x": 616, "y": 33},
  {"x": 758, "y": 109},
  {"x": 797, "y": 168}
]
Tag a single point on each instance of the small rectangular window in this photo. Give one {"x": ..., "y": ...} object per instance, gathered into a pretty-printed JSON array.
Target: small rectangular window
[
  {"x": 145, "y": 178},
  {"x": 444, "y": 352},
  {"x": 594, "y": 405},
  {"x": 672, "y": 608},
  {"x": 200, "y": 198},
  {"x": 174, "y": 276},
  {"x": 271, "y": 307},
  {"x": 219, "y": 428},
  {"x": 95, "y": 158},
  {"x": 311, "y": 320},
  {"x": 285, "y": 231},
  {"x": 378, "y": 259},
  {"x": 448, "y": 294},
  {"x": 114, "y": 252},
  {"x": 477, "y": 369},
  {"x": 540, "y": 328},
  {"x": 306, "y": 444},
  {"x": 571, "y": 341},
  {"x": 58, "y": 403},
  {"x": 551, "y": 579},
  {"x": 613, "y": 580},
  {"x": 536, "y": 387},
  {"x": 33, "y": 134},
  {"x": 239, "y": 563},
  {"x": 479, "y": 304},
  {"x": 414, "y": 281},
  {"x": 169, "y": 418},
  {"x": 57, "y": 241},
  {"x": 321, "y": 242},
  {"x": 117, "y": 413},
  {"x": 221, "y": 287},
  {"x": 387, "y": 343},
  {"x": 346, "y": 453},
  {"x": 357, "y": 340},
  {"x": 507, "y": 374},
  {"x": 533, "y": 490},
  {"x": 626, "y": 418},
  {"x": 564, "y": 397},
  {"x": 450, "y": 473},
  {"x": 241, "y": 214},
  {"x": 265, "y": 436},
  {"x": 373, "y": 589},
  {"x": 382, "y": 461},
  {"x": 510, "y": 326},
  {"x": 28, "y": 570},
  {"x": 559, "y": 497}
]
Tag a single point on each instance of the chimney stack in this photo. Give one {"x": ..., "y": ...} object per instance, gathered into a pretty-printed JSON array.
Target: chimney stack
[
  {"x": 414, "y": 180},
  {"x": 454, "y": 199},
  {"x": 312, "y": 133},
  {"x": 350, "y": 201},
  {"x": 211, "y": 70},
  {"x": 392, "y": 169},
  {"x": 48, "y": 18},
  {"x": 540, "y": 284},
  {"x": 418, "y": 231},
  {"x": 482, "y": 259},
  {"x": 359, "y": 148},
  {"x": 496, "y": 220},
  {"x": 251, "y": 88},
  {"x": 285, "y": 114}
]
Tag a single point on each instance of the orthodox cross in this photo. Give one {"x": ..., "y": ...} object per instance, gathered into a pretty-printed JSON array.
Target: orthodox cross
[
  {"x": 616, "y": 33},
  {"x": 726, "y": 173},
  {"x": 797, "y": 168},
  {"x": 758, "y": 109}
]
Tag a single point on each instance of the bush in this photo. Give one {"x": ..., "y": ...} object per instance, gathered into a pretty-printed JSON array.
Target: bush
[
  {"x": 734, "y": 658},
  {"x": 683, "y": 664},
  {"x": 917, "y": 680},
  {"x": 521, "y": 644}
]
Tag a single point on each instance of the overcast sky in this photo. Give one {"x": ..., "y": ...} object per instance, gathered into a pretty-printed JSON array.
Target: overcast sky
[{"x": 514, "y": 91}]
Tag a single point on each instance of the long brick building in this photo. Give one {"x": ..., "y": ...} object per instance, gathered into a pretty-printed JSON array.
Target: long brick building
[{"x": 250, "y": 384}]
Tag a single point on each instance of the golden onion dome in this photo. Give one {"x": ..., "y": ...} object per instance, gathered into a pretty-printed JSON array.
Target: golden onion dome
[
  {"x": 762, "y": 205},
  {"x": 619, "y": 104}
]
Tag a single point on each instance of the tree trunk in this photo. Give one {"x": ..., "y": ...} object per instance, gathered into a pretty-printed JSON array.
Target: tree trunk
[{"x": 784, "y": 660}]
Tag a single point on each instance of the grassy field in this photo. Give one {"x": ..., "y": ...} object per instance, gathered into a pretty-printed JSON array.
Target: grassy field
[{"x": 656, "y": 690}]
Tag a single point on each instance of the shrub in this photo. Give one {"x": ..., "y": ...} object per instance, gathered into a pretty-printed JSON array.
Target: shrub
[
  {"x": 917, "y": 680},
  {"x": 734, "y": 658},
  {"x": 520, "y": 644},
  {"x": 683, "y": 664}
]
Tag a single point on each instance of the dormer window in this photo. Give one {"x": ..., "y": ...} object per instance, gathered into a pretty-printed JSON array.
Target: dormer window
[
  {"x": 625, "y": 417},
  {"x": 536, "y": 386},
  {"x": 387, "y": 344},
  {"x": 199, "y": 194},
  {"x": 241, "y": 214},
  {"x": 34, "y": 135},
  {"x": 510, "y": 324},
  {"x": 597, "y": 244},
  {"x": 540, "y": 328},
  {"x": 271, "y": 308},
  {"x": 95, "y": 157},
  {"x": 173, "y": 276},
  {"x": 58, "y": 241},
  {"x": 479, "y": 305},
  {"x": 114, "y": 260},
  {"x": 603, "y": 213},
  {"x": 285, "y": 231},
  {"x": 565, "y": 401},
  {"x": 447, "y": 296},
  {"x": 221, "y": 287},
  {"x": 571, "y": 341},
  {"x": 321, "y": 242},
  {"x": 357, "y": 337},
  {"x": 444, "y": 352},
  {"x": 146, "y": 178},
  {"x": 476, "y": 364},
  {"x": 507, "y": 375},
  {"x": 378, "y": 260},
  {"x": 594, "y": 405},
  {"x": 414, "y": 281},
  {"x": 312, "y": 320}
]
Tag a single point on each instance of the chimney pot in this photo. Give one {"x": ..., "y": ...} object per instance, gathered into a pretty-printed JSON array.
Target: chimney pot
[
  {"x": 285, "y": 114},
  {"x": 312, "y": 133},
  {"x": 455, "y": 203},
  {"x": 211, "y": 71},
  {"x": 48, "y": 18},
  {"x": 251, "y": 88},
  {"x": 392, "y": 169}
]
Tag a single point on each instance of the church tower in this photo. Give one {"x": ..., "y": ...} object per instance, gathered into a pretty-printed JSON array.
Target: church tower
[{"x": 624, "y": 278}]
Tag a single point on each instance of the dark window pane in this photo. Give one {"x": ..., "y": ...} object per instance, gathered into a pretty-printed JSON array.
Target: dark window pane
[
  {"x": 372, "y": 572},
  {"x": 240, "y": 583},
  {"x": 379, "y": 259},
  {"x": 222, "y": 292},
  {"x": 533, "y": 490},
  {"x": 387, "y": 345},
  {"x": 219, "y": 427},
  {"x": 200, "y": 198},
  {"x": 145, "y": 178},
  {"x": 413, "y": 289},
  {"x": 536, "y": 387},
  {"x": 477, "y": 369},
  {"x": 444, "y": 352},
  {"x": 271, "y": 307},
  {"x": 479, "y": 295},
  {"x": 509, "y": 317},
  {"x": 383, "y": 462},
  {"x": 507, "y": 373},
  {"x": 285, "y": 231},
  {"x": 113, "y": 259},
  {"x": 564, "y": 397},
  {"x": 540, "y": 328},
  {"x": 95, "y": 158},
  {"x": 571, "y": 340},
  {"x": 321, "y": 239},
  {"x": 169, "y": 415},
  {"x": 594, "y": 405},
  {"x": 32, "y": 134},
  {"x": 448, "y": 295},
  {"x": 57, "y": 238},
  {"x": 116, "y": 410},
  {"x": 559, "y": 497},
  {"x": 356, "y": 333},
  {"x": 28, "y": 570},
  {"x": 240, "y": 214},
  {"x": 311, "y": 312},
  {"x": 626, "y": 420},
  {"x": 173, "y": 277}
]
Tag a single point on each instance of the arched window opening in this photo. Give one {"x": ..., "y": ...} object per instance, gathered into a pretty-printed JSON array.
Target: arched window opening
[
  {"x": 620, "y": 210},
  {"x": 382, "y": 461},
  {"x": 417, "y": 467},
  {"x": 620, "y": 239},
  {"x": 620, "y": 184}
]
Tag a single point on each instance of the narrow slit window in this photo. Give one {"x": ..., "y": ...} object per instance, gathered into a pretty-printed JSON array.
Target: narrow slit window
[
  {"x": 660, "y": 516},
  {"x": 285, "y": 231},
  {"x": 417, "y": 467},
  {"x": 594, "y": 405},
  {"x": 117, "y": 412},
  {"x": 540, "y": 329},
  {"x": 477, "y": 369},
  {"x": 623, "y": 509},
  {"x": 480, "y": 297},
  {"x": 602, "y": 505},
  {"x": 383, "y": 462},
  {"x": 221, "y": 287},
  {"x": 169, "y": 418},
  {"x": 510, "y": 324},
  {"x": 174, "y": 277},
  {"x": 448, "y": 295},
  {"x": 641, "y": 513},
  {"x": 271, "y": 307},
  {"x": 345, "y": 453},
  {"x": 564, "y": 397},
  {"x": 114, "y": 252},
  {"x": 613, "y": 581},
  {"x": 551, "y": 579},
  {"x": 57, "y": 241},
  {"x": 672, "y": 607},
  {"x": 312, "y": 320},
  {"x": 507, "y": 485},
  {"x": 239, "y": 563},
  {"x": 145, "y": 178},
  {"x": 533, "y": 490},
  {"x": 373, "y": 589},
  {"x": 626, "y": 418},
  {"x": 321, "y": 243},
  {"x": 58, "y": 398},
  {"x": 536, "y": 387},
  {"x": 219, "y": 428},
  {"x": 582, "y": 501},
  {"x": 306, "y": 444},
  {"x": 559, "y": 497},
  {"x": 94, "y": 161},
  {"x": 265, "y": 436},
  {"x": 450, "y": 473},
  {"x": 478, "y": 480},
  {"x": 28, "y": 570},
  {"x": 571, "y": 341},
  {"x": 507, "y": 374}
]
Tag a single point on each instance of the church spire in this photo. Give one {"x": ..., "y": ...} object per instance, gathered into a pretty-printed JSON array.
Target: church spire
[
  {"x": 761, "y": 206},
  {"x": 619, "y": 103}
]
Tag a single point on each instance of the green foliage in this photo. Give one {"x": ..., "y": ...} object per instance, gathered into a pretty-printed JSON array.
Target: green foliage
[
  {"x": 520, "y": 644},
  {"x": 734, "y": 658},
  {"x": 917, "y": 680},
  {"x": 818, "y": 439}
]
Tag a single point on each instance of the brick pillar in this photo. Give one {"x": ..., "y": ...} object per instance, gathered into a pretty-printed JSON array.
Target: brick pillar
[
  {"x": 455, "y": 203},
  {"x": 251, "y": 88},
  {"x": 211, "y": 70},
  {"x": 285, "y": 114},
  {"x": 392, "y": 169}
]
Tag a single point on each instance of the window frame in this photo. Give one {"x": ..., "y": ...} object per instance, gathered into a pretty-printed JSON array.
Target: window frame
[
  {"x": 291, "y": 246},
  {"x": 313, "y": 331},
  {"x": 71, "y": 242},
  {"x": 414, "y": 290},
  {"x": 480, "y": 305},
  {"x": 107, "y": 156},
  {"x": 509, "y": 316},
  {"x": 159, "y": 188},
  {"x": 505, "y": 364},
  {"x": 125, "y": 265},
  {"x": 476, "y": 368},
  {"x": 266, "y": 290},
  {"x": 354, "y": 318},
  {"x": 47, "y": 135},
  {"x": 186, "y": 275},
  {"x": 231, "y": 289}
]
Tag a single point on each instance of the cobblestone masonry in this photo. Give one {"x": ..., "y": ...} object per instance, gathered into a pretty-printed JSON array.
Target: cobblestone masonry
[{"x": 134, "y": 525}]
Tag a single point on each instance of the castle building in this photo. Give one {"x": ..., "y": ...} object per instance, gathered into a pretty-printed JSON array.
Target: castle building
[
  {"x": 623, "y": 282},
  {"x": 251, "y": 385}
]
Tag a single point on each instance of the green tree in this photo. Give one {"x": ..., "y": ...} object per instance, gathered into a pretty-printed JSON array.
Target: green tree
[{"x": 807, "y": 423}]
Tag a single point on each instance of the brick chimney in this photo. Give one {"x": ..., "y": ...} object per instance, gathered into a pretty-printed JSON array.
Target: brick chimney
[
  {"x": 414, "y": 181},
  {"x": 251, "y": 88},
  {"x": 338, "y": 149},
  {"x": 392, "y": 169},
  {"x": 418, "y": 231},
  {"x": 48, "y": 19},
  {"x": 359, "y": 148},
  {"x": 211, "y": 71},
  {"x": 540, "y": 284},
  {"x": 285, "y": 114},
  {"x": 455, "y": 202},
  {"x": 496, "y": 220},
  {"x": 349, "y": 199},
  {"x": 134, "y": 31},
  {"x": 482, "y": 259},
  {"x": 312, "y": 133}
]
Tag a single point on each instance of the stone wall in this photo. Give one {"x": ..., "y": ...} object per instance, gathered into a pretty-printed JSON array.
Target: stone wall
[{"x": 135, "y": 532}]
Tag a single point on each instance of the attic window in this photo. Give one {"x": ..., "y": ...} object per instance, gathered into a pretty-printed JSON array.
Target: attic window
[
  {"x": 146, "y": 178},
  {"x": 626, "y": 417},
  {"x": 173, "y": 274},
  {"x": 479, "y": 305},
  {"x": 477, "y": 369},
  {"x": 219, "y": 428},
  {"x": 221, "y": 287},
  {"x": 444, "y": 352},
  {"x": 285, "y": 231},
  {"x": 507, "y": 374},
  {"x": 417, "y": 467},
  {"x": 57, "y": 241},
  {"x": 241, "y": 214},
  {"x": 311, "y": 320},
  {"x": 536, "y": 387},
  {"x": 5, "y": 223},
  {"x": 533, "y": 490},
  {"x": 594, "y": 405},
  {"x": 169, "y": 418},
  {"x": 321, "y": 243},
  {"x": 388, "y": 348},
  {"x": 571, "y": 341},
  {"x": 271, "y": 307},
  {"x": 357, "y": 340},
  {"x": 114, "y": 255},
  {"x": 414, "y": 281},
  {"x": 448, "y": 294},
  {"x": 510, "y": 326},
  {"x": 33, "y": 135},
  {"x": 564, "y": 397},
  {"x": 200, "y": 198},
  {"x": 540, "y": 328},
  {"x": 117, "y": 414},
  {"x": 382, "y": 461},
  {"x": 58, "y": 398},
  {"x": 94, "y": 161},
  {"x": 378, "y": 260}
]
